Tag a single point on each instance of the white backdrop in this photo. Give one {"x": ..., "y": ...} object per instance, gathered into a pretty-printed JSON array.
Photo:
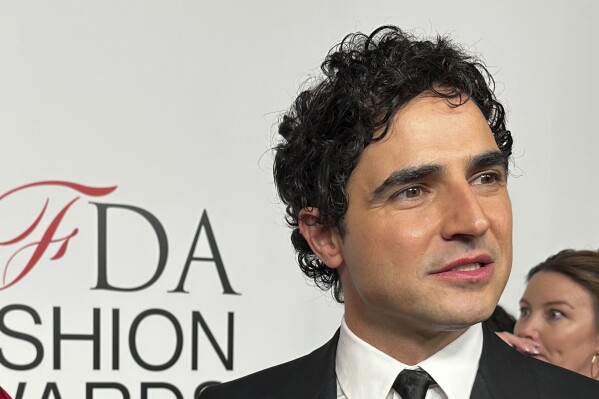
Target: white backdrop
[{"x": 175, "y": 104}]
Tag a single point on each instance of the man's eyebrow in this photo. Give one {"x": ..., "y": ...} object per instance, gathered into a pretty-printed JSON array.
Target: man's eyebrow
[
  {"x": 409, "y": 175},
  {"x": 403, "y": 177},
  {"x": 491, "y": 158}
]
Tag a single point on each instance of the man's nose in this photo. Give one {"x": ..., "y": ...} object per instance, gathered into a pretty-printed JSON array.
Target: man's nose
[{"x": 464, "y": 216}]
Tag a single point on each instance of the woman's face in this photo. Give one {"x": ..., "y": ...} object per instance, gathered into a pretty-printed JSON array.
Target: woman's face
[{"x": 557, "y": 313}]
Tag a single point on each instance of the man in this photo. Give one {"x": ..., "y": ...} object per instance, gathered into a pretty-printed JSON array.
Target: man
[{"x": 394, "y": 169}]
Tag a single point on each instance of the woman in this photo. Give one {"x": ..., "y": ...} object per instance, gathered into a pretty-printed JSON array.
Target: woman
[{"x": 559, "y": 312}]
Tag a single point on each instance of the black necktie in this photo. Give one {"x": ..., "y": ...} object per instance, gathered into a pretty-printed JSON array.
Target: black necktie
[{"x": 413, "y": 384}]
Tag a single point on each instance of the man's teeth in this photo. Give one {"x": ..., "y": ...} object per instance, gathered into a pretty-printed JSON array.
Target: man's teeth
[{"x": 467, "y": 268}]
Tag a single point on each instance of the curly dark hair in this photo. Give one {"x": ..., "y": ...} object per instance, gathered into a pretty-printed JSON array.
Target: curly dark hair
[
  {"x": 501, "y": 320},
  {"x": 582, "y": 266},
  {"x": 367, "y": 78}
]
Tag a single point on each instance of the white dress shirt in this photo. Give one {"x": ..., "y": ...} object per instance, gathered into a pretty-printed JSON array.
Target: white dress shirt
[{"x": 364, "y": 372}]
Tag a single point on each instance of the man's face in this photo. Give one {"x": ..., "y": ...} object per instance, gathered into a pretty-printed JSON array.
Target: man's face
[{"x": 428, "y": 230}]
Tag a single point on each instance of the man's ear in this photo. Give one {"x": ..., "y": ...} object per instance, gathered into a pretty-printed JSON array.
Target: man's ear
[{"x": 324, "y": 241}]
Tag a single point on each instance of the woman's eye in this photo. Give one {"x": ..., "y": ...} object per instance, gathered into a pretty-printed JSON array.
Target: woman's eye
[
  {"x": 555, "y": 314},
  {"x": 524, "y": 312}
]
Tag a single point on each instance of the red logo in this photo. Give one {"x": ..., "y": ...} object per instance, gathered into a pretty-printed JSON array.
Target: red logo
[{"x": 48, "y": 236}]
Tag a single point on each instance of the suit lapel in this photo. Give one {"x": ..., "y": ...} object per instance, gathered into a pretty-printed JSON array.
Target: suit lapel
[
  {"x": 480, "y": 390},
  {"x": 501, "y": 373},
  {"x": 316, "y": 378},
  {"x": 330, "y": 390}
]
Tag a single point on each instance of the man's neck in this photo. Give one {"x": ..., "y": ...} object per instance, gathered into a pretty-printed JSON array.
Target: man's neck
[{"x": 402, "y": 341}]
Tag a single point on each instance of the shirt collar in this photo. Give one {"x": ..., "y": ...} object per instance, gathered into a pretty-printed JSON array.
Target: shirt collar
[
  {"x": 454, "y": 367},
  {"x": 363, "y": 371}
]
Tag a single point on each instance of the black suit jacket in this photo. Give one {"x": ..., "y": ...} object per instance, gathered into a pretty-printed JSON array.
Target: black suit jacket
[{"x": 503, "y": 374}]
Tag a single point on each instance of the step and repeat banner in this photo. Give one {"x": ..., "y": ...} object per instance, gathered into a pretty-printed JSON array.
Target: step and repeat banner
[{"x": 143, "y": 250}]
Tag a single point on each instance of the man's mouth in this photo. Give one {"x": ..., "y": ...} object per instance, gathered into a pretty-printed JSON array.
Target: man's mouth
[
  {"x": 468, "y": 267},
  {"x": 467, "y": 263}
]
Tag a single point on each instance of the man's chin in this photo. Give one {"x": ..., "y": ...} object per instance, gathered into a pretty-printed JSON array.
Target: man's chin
[
  {"x": 459, "y": 326},
  {"x": 467, "y": 319}
]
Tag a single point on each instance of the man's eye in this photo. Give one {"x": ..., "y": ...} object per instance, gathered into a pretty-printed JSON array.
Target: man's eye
[
  {"x": 488, "y": 178},
  {"x": 408, "y": 193}
]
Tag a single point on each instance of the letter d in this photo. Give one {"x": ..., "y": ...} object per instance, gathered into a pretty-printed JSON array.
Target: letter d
[{"x": 102, "y": 263}]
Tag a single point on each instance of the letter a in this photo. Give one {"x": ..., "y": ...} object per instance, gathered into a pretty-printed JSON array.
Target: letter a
[{"x": 222, "y": 274}]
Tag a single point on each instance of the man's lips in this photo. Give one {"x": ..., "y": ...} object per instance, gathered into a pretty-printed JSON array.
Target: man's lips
[
  {"x": 466, "y": 263},
  {"x": 471, "y": 268}
]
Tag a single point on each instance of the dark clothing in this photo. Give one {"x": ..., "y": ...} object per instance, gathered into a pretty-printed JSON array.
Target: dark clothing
[{"x": 503, "y": 373}]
